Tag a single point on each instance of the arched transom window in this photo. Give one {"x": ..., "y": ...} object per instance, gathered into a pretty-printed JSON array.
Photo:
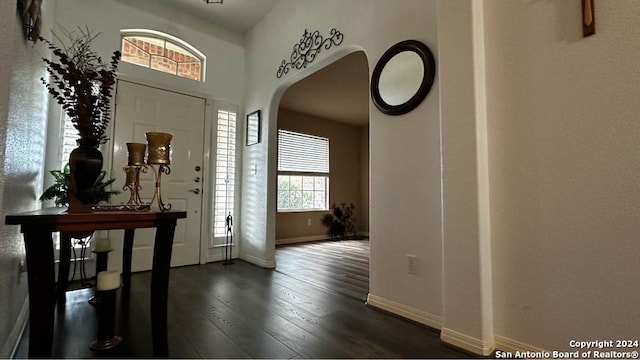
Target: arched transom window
[{"x": 162, "y": 52}]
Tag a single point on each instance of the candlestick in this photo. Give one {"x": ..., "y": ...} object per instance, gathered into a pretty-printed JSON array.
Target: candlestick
[
  {"x": 159, "y": 148},
  {"x": 159, "y": 154},
  {"x": 136, "y": 153}
]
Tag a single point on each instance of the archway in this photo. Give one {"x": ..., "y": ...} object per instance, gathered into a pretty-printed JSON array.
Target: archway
[{"x": 333, "y": 103}]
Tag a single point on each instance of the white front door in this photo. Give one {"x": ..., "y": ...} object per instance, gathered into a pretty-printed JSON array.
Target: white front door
[{"x": 141, "y": 109}]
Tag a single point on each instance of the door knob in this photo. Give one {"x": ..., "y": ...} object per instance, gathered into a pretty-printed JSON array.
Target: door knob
[{"x": 195, "y": 191}]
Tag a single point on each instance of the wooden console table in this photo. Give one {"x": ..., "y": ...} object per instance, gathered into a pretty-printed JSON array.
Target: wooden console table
[{"x": 37, "y": 227}]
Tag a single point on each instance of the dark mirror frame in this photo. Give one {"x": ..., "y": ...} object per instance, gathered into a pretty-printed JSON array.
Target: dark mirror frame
[{"x": 429, "y": 74}]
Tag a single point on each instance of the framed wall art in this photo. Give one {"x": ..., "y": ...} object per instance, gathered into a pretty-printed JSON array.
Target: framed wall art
[{"x": 253, "y": 128}]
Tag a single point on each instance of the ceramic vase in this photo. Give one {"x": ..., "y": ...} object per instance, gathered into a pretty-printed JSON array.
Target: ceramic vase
[{"x": 85, "y": 166}]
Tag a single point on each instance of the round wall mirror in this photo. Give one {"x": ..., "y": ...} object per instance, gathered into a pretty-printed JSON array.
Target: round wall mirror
[{"x": 403, "y": 77}]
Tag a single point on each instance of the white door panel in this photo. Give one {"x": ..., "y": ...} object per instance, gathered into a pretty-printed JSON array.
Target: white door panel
[{"x": 141, "y": 109}]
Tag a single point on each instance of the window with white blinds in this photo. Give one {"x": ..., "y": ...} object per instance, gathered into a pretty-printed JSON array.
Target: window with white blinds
[
  {"x": 303, "y": 172},
  {"x": 299, "y": 152},
  {"x": 225, "y": 170}
]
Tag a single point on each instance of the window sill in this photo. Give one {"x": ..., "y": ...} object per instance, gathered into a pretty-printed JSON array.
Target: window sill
[{"x": 301, "y": 211}]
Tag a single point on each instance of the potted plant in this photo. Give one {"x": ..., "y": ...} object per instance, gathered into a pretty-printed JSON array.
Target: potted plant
[
  {"x": 340, "y": 221},
  {"x": 59, "y": 191},
  {"x": 82, "y": 83}
]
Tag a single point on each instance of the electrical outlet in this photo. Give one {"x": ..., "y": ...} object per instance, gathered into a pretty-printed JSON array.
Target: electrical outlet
[
  {"x": 309, "y": 221},
  {"x": 412, "y": 264}
]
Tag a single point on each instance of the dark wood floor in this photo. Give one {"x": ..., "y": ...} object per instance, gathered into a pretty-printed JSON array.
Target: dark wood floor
[
  {"x": 242, "y": 311},
  {"x": 341, "y": 266}
]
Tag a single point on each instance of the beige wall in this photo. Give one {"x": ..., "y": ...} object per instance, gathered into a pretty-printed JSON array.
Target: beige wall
[
  {"x": 564, "y": 141},
  {"x": 23, "y": 109},
  {"x": 345, "y": 168}
]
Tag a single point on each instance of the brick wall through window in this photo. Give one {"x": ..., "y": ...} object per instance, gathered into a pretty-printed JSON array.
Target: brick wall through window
[{"x": 162, "y": 55}]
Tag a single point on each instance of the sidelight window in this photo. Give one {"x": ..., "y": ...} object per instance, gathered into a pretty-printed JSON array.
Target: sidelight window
[{"x": 225, "y": 170}]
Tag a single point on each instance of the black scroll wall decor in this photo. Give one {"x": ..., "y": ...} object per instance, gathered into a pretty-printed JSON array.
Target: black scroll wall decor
[{"x": 305, "y": 51}]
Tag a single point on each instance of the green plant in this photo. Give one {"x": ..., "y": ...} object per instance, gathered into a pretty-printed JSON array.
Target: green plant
[
  {"x": 59, "y": 191},
  {"x": 340, "y": 221},
  {"x": 81, "y": 82}
]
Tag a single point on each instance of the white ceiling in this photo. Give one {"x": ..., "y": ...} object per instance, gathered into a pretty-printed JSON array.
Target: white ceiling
[
  {"x": 338, "y": 92},
  {"x": 235, "y": 15}
]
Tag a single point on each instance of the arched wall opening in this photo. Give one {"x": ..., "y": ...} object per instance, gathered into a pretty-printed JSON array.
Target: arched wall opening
[
  {"x": 331, "y": 105},
  {"x": 272, "y": 131}
]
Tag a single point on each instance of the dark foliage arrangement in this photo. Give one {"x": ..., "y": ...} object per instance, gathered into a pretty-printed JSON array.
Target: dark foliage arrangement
[
  {"x": 340, "y": 221},
  {"x": 82, "y": 83},
  {"x": 59, "y": 191}
]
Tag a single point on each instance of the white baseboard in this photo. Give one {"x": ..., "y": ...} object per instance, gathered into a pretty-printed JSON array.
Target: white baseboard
[
  {"x": 300, "y": 239},
  {"x": 267, "y": 264},
  {"x": 217, "y": 257},
  {"x": 449, "y": 336},
  {"x": 405, "y": 311},
  {"x": 11, "y": 342},
  {"x": 513, "y": 346},
  {"x": 466, "y": 342},
  {"x": 216, "y": 253}
]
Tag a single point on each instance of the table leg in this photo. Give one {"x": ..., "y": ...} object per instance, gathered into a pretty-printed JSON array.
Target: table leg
[
  {"x": 160, "y": 287},
  {"x": 127, "y": 249},
  {"x": 64, "y": 264},
  {"x": 42, "y": 293}
]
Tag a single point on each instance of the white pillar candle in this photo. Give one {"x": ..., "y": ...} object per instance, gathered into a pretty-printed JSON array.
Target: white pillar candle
[
  {"x": 108, "y": 280},
  {"x": 102, "y": 245}
]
